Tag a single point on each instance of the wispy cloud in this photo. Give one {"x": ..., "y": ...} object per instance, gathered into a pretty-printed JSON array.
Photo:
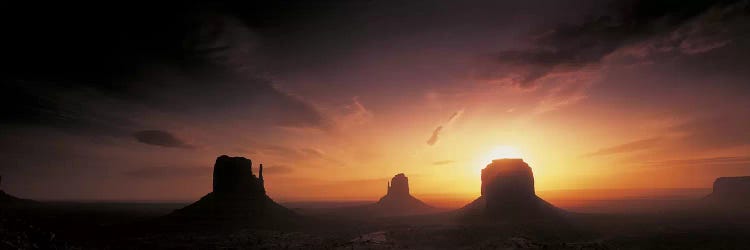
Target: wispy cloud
[
  {"x": 561, "y": 62},
  {"x": 167, "y": 172},
  {"x": 443, "y": 162},
  {"x": 435, "y": 137},
  {"x": 627, "y": 147},
  {"x": 353, "y": 114},
  {"x": 160, "y": 138},
  {"x": 278, "y": 170},
  {"x": 290, "y": 154},
  {"x": 286, "y": 152},
  {"x": 718, "y": 131},
  {"x": 712, "y": 161}
]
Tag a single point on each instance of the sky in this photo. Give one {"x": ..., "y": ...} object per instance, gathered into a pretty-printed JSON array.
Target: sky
[{"x": 135, "y": 102}]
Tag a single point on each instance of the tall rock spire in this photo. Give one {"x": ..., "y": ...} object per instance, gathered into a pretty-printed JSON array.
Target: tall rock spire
[
  {"x": 260, "y": 177},
  {"x": 260, "y": 172}
]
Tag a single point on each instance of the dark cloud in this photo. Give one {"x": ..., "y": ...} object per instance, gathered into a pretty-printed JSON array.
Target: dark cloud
[
  {"x": 52, "y": 104},
  {"x": 574, "y": 47},
  {"x": 159, "y": 173},
  {"x": 192, "y": 60},
  {"x": 160, "y": 138},
  {"x": 444, "y": 162},
  {"x": 628, "y": 147}
]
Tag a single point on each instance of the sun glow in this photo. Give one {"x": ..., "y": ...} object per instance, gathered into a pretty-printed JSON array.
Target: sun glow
[
  {"x": 497, "y": 152},
  {"x": 503, "y": 151}
]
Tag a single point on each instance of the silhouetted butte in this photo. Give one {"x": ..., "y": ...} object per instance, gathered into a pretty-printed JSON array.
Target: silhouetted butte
[
  {"x": 508, "y": 194},
  {"x": 398, "y": 200},
  {"x": 238, "y": 199},
  {"x": 731, "y": 194}
]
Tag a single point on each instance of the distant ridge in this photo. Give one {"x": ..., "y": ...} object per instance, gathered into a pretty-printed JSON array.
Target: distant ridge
[
  {"x": 397, "y": 201},
  {"x": 10, "y": 201}
]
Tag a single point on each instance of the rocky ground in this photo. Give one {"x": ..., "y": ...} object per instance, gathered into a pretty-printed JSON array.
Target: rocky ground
[{"x": 597, "y": 232}]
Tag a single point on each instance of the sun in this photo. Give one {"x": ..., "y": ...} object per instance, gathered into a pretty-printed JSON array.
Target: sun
[
  {"x": 502, "y": 151},
  {"x": 496, "y": 152}
]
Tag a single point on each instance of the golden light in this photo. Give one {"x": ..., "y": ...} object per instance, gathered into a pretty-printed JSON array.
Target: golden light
[
  {"x": 501, "y": 152},
  {"x": 498, "y": 152}
]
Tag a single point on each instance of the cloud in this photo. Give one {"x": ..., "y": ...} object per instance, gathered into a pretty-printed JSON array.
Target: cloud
[
  {"x": 628, "y": 147},
  {"x": 278, "y": 170},
  {"x": 80, "y": 111},
  {"x": 570, "y": 89},
  {"x": 716, "y": 131},
  {"x": 572, "y": 47},
  {"x": 280, "y": 108},
  {"x": 714, "y": 28},
  {"x": 313, "y": 152},
  {"x": 353, "y": 114},
  {"x": 207, "y": 68},
  {"x": 276, "y": 150},
  {"x": 444, "y": 162},
  {"x": 434, "y": 137},
  {"x": 455, "y": 116},
  {"x": 287, "y": 154},
  {"x": 702, "y": 134},
  {"x": 436, "y": 133},
  {"x": 574, "y": 54},
  {"x": 713, "y": 161},
  {"x": 160, "y": 138},
  {"x": 160, "y": 173}
]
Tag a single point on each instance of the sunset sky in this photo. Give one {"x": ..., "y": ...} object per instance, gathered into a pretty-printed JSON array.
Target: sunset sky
[{"x": 336, "y": 97}]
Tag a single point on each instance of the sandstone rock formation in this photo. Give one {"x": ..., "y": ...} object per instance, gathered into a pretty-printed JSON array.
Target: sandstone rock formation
[
  {"x": 238, "y": 199},
  {"x": 398, "y": 186},
  {"x": 398, "y": 200},
  {"x": 508, "y": 193},
  {"x": 732, "y": 188},
  {"x": 234, "y": 176},
  {"x": 508, "y": 184},
  {"x": 731, "y": 193}
]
